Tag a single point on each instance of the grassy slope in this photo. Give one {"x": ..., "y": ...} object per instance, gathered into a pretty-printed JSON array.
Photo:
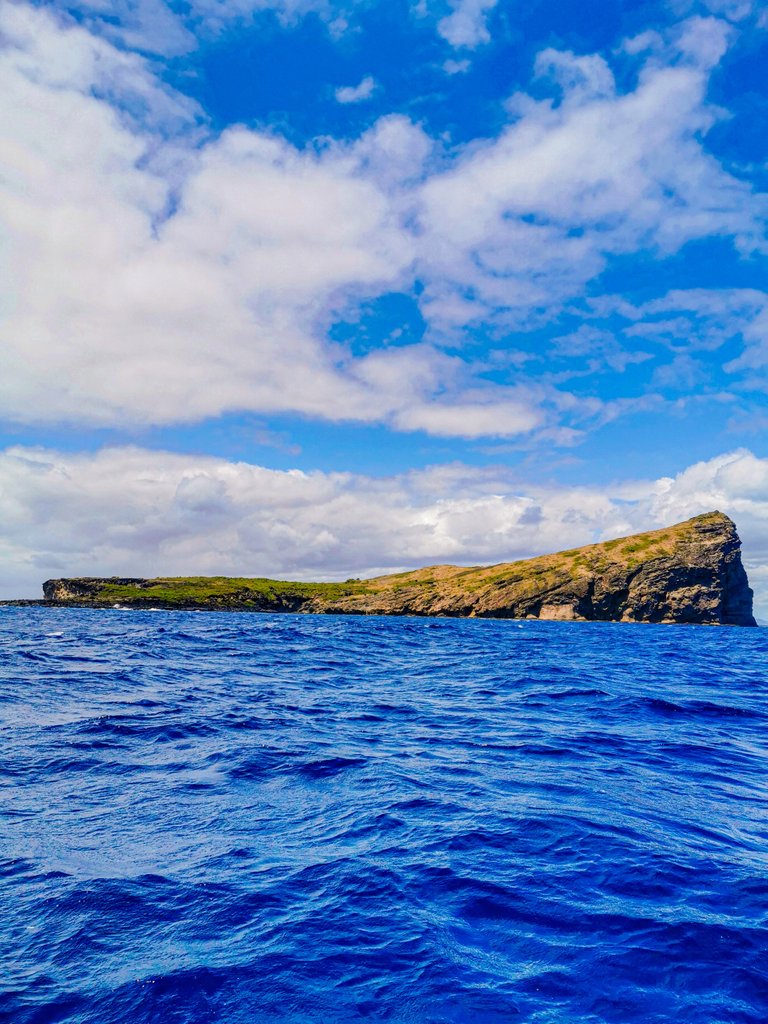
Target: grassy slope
[
  {"x": 443, "y": 581},
  {"x": 185, "y": 589}
]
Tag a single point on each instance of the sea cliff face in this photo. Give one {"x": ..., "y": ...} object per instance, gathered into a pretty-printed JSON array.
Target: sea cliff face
[{"x": 688, "y": 573}]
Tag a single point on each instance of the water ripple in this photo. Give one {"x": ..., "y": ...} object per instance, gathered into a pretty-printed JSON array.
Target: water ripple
[{"x": 240, "y": 818}]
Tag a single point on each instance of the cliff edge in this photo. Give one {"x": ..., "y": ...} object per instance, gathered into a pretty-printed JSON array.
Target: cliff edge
[{"x": 691, "y": 573}]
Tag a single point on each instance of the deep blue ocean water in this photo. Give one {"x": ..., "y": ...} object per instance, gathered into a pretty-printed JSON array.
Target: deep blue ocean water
[{"x": 240, "y": 818}]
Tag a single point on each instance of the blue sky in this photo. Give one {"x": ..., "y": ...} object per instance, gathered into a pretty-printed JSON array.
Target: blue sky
[{"x": 312, "y": 287}]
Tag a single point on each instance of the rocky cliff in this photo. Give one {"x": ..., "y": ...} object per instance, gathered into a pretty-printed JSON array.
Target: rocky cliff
[{"x": 691, "y": 572}]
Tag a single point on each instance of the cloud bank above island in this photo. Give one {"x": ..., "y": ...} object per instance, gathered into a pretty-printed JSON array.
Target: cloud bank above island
[{"x": 128, "y": 511}]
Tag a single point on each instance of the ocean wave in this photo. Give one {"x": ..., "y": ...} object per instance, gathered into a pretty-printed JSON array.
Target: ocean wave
[{"x": 289, "y": 819}]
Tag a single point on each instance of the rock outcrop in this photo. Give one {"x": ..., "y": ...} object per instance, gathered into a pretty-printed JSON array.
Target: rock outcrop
[
  {"x": 86, "y": 589},
  {"x": 691, "y": 573}
]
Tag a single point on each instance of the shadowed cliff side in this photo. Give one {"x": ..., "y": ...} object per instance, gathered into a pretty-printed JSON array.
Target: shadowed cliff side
[{"x": 691, "y": 572}]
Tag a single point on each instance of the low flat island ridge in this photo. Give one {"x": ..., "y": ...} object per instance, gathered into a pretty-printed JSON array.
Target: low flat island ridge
[{"x": 687, "y": 573}]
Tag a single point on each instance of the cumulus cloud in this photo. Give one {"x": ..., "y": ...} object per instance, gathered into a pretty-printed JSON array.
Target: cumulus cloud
[
  {"x": 155, "y": 272},
  {"x": 138, "y": 512},
  {"x": 467, "y": 24},
  {"x": 356, "y": 93},
  {"x": 153, "y": 282}
]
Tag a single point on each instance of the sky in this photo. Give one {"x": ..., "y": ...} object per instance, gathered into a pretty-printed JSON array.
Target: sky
[{"x": 328, "y": 288}]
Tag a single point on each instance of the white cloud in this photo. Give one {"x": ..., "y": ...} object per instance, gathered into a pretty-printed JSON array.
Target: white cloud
[
  {"x": 128, "y": 511},
  {"x": 467, "y": 25},
  {"x": 701, "y": 320},
  {"x": 147, "y": 25},
  {"x": 525, "y": 220},
  {"x": 734, "y": 10},
  {"x": 218, "y": 14},
  {"x": 119, "y": 311},
  {"x": 580, "y": 78},
  {"x": 168, "y": 28},
  {"x": 154, "y": 272},
  {"x": 159, "y": 26},
  {"x": 356, "y": 93},
  {"x": 456, "y": 67},
  {"x": 481, "y": 417},
  {"x": 45, "y": 58}
]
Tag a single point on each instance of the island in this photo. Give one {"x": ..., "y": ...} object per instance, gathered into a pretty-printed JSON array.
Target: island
[{"x": 688, "y": 573}]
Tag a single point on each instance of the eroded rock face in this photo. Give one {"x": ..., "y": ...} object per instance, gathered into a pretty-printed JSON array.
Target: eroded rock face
[
  {"x": 688, "y": 573},
  {"x": 702, "y": 581},
  {"x": 85, "y": 588}
]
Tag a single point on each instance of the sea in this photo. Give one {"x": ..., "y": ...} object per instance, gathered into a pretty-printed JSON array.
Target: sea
[{"x": 278, "y": 819}]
